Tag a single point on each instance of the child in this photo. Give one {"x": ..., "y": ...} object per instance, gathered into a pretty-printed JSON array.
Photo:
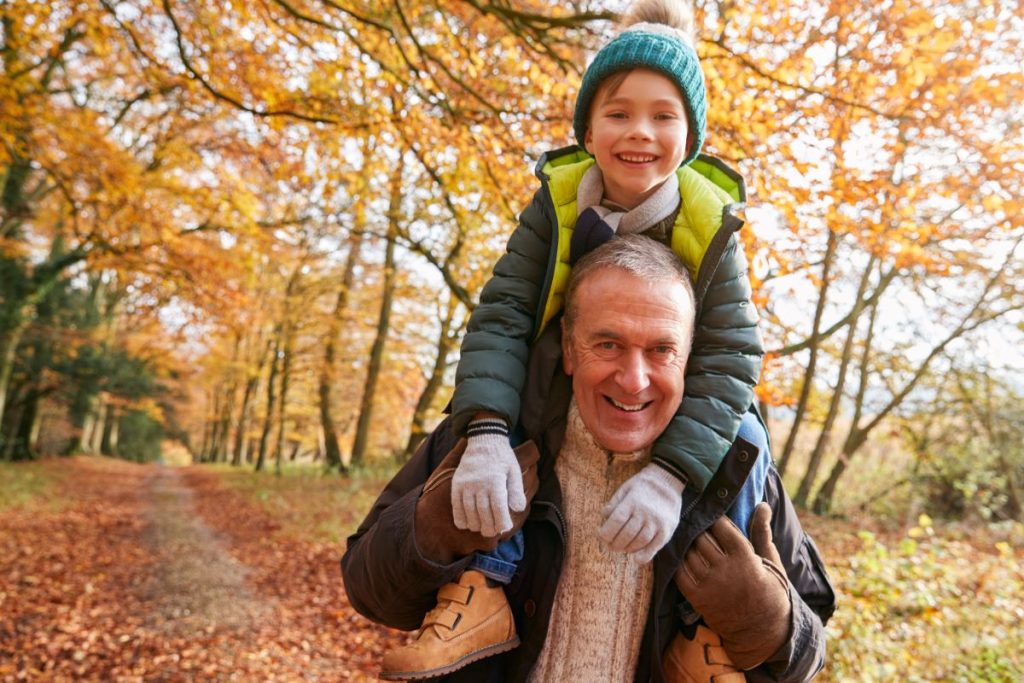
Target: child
[{"x": 640, "y": 119}]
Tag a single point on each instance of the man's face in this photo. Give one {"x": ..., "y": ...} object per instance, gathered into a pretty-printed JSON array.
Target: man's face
[{"x": 627, "y": 352}]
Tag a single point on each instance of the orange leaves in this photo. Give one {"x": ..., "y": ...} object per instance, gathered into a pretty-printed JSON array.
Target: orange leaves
[{"x": 83, "y": 589}]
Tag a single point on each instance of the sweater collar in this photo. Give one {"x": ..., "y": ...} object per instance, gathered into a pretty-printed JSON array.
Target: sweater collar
[{"x": 656, "y": 208}]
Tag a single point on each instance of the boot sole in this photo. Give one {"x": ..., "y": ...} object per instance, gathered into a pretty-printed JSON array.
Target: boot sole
[{"x": 466, "y": 660}]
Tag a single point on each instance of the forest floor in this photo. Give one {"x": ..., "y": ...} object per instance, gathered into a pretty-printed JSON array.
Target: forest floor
[
  {"x": 128, "y": 572},
  {"x": 112, "y": 571}
]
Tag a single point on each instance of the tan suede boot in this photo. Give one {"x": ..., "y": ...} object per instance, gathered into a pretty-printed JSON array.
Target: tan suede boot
[
  {"x": 471, "y": 621},
  {"x": 701, "y": 660}
]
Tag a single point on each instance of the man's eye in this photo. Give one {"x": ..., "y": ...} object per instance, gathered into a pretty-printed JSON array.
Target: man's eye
[
  {"x": 663, "y": 351},
  {"x": 606, "y": 346}
]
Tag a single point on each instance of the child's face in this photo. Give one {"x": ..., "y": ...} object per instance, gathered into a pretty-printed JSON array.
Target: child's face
[{"x": 638, "y": 135}]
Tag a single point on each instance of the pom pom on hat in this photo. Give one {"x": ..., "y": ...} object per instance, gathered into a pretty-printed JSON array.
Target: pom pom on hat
[{"x": 659, "y": 47}]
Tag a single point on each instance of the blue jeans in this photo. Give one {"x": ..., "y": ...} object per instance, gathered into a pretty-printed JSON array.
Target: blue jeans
[
  {"x": 752, "y": 493},
  {"x": 500, "y": 564}
]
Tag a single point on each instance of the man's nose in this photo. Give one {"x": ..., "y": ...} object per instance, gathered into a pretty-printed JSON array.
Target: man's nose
[{"x": 633, "y": 375}]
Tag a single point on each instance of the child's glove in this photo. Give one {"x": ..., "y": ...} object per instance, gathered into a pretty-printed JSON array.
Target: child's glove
[
  {"x": 643, "y": 513},
  {"x": 487, "y": 483},
  {"x": 739, "y": 587},
  {"x": 436, "y": 536}
]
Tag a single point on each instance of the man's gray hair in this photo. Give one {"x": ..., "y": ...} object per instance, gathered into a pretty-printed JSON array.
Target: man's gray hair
[{"x": 639, "y": 256}]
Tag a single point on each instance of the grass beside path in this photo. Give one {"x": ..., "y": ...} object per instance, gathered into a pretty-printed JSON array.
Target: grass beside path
[
  {"x": 308, "y": 503},
  {"x": 31, "y": 483}
]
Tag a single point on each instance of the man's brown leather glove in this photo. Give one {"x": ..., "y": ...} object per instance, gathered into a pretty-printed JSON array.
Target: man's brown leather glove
[
  {"x": 740, "y": 589},
  {"x": 437, "y": 537}
]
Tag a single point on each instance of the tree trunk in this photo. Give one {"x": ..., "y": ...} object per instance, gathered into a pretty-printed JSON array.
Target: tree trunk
[
  {"x": 823, "y": 500},
  {"x": 109, "y": 428},
  {"x": 114, "y": 432},
  {"x": 825, "y": 437},
  {"x": 88, "y": 426},
  {"x": 383, "y": 322},
  {"x": 9, "y": 341},
  {"x": 330, "y": 435},
  {"x": 243, "y": 448},
  {"x": 101, "y": 424},
  {"x": 282, "y": 403},
  {"x": 445, "y": 342},
  {"x": 10, "y": 450},
  {"x": 812, "y": 363},
  {"x": 35, "y": 431},
  {"x": 228, "y": 403},
  {"x": 269, "y": 415},
  {"x": 238, "y": 454},
  {"x": 209, "y": 453},
  {"x": 23, "y": 449},
  {"x": 220, "y": 453}
]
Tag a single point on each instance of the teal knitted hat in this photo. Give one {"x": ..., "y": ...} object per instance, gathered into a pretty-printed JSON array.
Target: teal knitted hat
[{"x": 647, "y": 46}]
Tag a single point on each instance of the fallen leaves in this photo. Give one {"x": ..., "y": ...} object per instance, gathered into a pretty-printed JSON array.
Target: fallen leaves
[{"x": 85, "y": 589}]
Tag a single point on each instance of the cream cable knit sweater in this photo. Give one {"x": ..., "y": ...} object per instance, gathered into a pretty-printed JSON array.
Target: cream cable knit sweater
[{"x": 601, "y": 603}]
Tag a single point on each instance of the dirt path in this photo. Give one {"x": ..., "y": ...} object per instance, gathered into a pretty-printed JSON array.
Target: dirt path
[
  {"x": 159, "y": 574},
  {"x": 196, "y": 585}
]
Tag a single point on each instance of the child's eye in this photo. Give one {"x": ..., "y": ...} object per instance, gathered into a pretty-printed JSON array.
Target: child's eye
[
  {"x": 666, "y": 116},
  {"x": 616, "y": 115}
]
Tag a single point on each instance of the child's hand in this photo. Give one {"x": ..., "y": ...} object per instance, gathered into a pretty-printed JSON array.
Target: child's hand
[
  {"x": 437, "y": 537},
  {"x": 643, "y": 513},
  {"x": 488, "y": 482}
]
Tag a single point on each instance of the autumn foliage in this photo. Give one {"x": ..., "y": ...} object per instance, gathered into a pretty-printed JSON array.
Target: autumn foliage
[{"x": 259, "y": 228}]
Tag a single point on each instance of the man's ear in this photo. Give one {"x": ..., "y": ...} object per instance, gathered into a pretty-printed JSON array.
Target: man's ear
[{"x": 566, "y": 348}]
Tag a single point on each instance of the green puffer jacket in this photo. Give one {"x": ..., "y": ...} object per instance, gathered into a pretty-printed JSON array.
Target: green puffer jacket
[{"x": 525, "y": 293}]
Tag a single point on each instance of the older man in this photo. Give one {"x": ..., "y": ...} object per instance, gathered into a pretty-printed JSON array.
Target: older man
[{"x": 597, "y": 397}]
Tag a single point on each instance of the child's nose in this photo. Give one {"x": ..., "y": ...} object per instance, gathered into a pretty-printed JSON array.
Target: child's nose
[{"x": 641, "y": 128}]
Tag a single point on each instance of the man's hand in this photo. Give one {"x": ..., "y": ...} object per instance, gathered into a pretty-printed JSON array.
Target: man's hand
[
  {"x": 487, "y": 483},
  {"x": 739, "y": 588},
  {"x": 643, "y": 513},
  {"x": 437, "y": 536}
]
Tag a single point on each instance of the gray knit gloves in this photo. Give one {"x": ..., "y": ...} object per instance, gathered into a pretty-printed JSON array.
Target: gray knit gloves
[
  {"x": 642, "y": 515},
  {"x": 488, "y": 481}
]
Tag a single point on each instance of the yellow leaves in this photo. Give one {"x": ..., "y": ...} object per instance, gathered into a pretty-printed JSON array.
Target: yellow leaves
[
  {"x": 992, "y": 202},
  {"x": 905, "y": 56},
  {"x": 918, "y": 22}
]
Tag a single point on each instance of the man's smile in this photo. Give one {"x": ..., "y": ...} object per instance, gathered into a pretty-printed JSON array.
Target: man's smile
[{"x": 628, "y": 407}]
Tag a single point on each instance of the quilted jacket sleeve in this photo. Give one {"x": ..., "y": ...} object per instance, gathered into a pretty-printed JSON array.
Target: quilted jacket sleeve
[
  {"x": 811, "y": 594},
  {"x": 724, "y": 366},
  {"x": 386, "y": 577},
  {"x": 492, "y": 366}
]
